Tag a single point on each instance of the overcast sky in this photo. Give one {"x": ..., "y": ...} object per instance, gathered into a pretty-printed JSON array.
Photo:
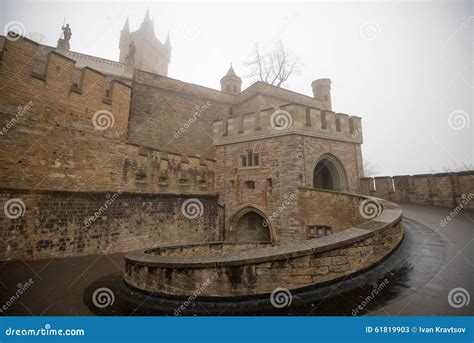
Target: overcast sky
[{"x": 404, "y": 67}]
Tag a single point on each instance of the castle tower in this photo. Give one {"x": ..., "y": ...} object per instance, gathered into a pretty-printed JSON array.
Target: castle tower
[
  {"x": 151, "y": 55},
  {"x": 322, "y": 92},
  {"x": 231, "y": 83},
  {"x": 264, "y": 158},
  {"x": 124, "y": 41}
]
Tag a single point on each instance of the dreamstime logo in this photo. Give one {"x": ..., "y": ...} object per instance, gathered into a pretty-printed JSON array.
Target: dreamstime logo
[
  {"x": 20, "y": 112},
  {"x": 110, "y": 200},
  {"x": 281, "y": 208},
  {"x": 199, "y": 112},
  {"x": 465, "y": 199},
  {"x": 370, "y": 208},
  {"x": 103, "y": 120},
  {"x": 458, "y": 297},
  {"x": 22, "y": 288},
  {"x": 281, "y": 120},
  {"x": 370, "y": 30},
  {"x": 192, "y": 208},
  {"x": 377, "y": 288},
  {"x": 15, "y": 27},
  {"x": 281, "y": 297},
  {"x": 14, "y": 208},
  {"x": 197, "y": 292},
  {"x": 458, "y": 120},
  {"x": 192, "y": 30},
  {"x": 103, "y": 297}
]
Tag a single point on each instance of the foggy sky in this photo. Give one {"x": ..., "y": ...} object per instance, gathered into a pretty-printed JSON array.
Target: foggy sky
[{"x": 403, "y": 67}]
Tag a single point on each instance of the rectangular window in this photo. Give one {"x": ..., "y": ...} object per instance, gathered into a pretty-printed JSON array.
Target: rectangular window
[
  {"x": 250, "y": 159},
  {"x": 255, "y": 160},
  {"x": 250, "y": 184},
  {"x": 318, "y": 231}
]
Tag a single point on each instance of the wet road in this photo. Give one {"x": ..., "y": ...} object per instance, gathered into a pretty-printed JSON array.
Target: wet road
[{"x": 415, "y": 280}]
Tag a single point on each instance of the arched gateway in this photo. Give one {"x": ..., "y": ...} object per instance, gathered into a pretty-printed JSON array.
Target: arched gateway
[
  {"x": 249, "y": 225},
  {"x": 329, "y": 174}
]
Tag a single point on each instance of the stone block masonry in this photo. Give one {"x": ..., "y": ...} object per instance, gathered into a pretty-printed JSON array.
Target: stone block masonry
[
  {"x": 261, "y": 270},
  {"x": 442, "y": 189},
  {"x": 74, "y": 135},
  {"x": 61, "y": 224}
]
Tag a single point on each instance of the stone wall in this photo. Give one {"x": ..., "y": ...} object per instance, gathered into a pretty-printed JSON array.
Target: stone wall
[
  {"x": 171, "y": 115},
  {"x": 262, "y": 270},
  {"x": 335, "y": 209},
  {"x": 60, "y": 224},
  {"x": 443, "y": 189},
  {"x": 68, "y": 129}
]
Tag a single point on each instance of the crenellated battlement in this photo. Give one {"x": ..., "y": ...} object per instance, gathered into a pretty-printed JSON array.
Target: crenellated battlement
[
  {"x": 287, "y": 119},
  {"x": 79, "y": 120},
  {"x": 441, "y": 189},
  {"x": 25, "y": 75}
]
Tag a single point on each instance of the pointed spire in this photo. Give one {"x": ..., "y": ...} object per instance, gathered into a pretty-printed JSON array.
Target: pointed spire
[
  {"x": 147, "y": 15},
  {"x": 168, "y": 42},
  {"x": 231, "y": 71},
  {"x": 126, "y": 27}
]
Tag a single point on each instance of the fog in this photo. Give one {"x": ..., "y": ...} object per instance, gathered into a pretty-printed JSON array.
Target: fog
[{"x": 404, "y": 67}]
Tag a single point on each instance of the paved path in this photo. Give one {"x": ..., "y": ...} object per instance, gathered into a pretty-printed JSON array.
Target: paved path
[
  {"x": 432, "y": 261},
  {"x": 457, "y": 269}
]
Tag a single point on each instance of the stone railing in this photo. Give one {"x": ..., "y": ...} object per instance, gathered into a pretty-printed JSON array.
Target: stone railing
[{"x": 261, "y": 270}]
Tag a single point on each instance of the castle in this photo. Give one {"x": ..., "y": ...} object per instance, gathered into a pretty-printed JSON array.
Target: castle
[{"x": 263, "y": 164}]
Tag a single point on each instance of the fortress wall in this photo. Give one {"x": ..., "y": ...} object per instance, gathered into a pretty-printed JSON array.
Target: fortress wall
[
  {"x": 61, "y": 163},
  {"x": 175, "y": 116},
  {"x": 51, "y": 141},
  {"x": 61, "y": 224},
  {"x": 442, "y": 189}
]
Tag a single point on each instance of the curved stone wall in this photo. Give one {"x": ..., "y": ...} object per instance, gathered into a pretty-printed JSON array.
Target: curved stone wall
[{"x": 260, "y": 270}]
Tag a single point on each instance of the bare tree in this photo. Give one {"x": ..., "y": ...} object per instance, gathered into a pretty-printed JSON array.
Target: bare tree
[
  {"x": 455, "y": 167},
  {"x": 273, "y": 67},
  {"x": 370, "y": 169}
]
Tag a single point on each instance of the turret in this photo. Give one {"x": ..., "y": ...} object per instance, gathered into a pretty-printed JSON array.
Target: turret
[
  {"x": 231, "y": 83},
  {"x": 322, "y": 92},
  {"x": 124, "y": 41}
]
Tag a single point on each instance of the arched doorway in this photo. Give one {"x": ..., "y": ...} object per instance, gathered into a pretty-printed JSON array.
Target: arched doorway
[
  {"x": 249, "y": 225},
  {"x": 329, "y": 174}
]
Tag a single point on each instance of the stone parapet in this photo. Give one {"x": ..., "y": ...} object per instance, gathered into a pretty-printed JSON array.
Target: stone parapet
[
  {"x": 261, "y": 270},
  {"x": 287, "y": 119},
  {"x": 441, "y": 189}
]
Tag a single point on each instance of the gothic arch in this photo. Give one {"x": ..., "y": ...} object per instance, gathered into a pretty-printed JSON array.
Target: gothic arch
[
  {"x": 329, "y": 173},
  {"x": 249, "y": 224}
]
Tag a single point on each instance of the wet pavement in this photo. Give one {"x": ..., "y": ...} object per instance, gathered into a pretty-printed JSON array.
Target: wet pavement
[{"x": 414, "y": 280}]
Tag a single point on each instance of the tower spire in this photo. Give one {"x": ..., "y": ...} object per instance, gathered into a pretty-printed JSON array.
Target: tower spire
[{"x": 126, "y": 26}]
